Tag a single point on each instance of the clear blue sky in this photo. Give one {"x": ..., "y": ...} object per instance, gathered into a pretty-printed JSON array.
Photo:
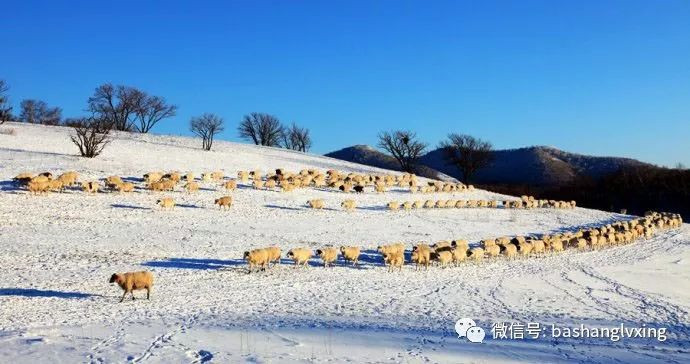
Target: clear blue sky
[{"x": 594, "y": 77}]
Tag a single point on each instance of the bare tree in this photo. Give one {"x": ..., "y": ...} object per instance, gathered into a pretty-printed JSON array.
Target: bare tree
[
  {"x": 467, "y": 153},
  {"x": 5, "y": 107},
  {"x": 262, "y": 129},
  {"x": 296, "y": 138},
  {"x": 404, "y": 147},
  {"x": 151, "y": 110},
  {"x": 206, "y": 126},
  {"x": 38, "y": 112},
  {"x": 116, "y": 105},
  {"x": 91, "y": 135}
]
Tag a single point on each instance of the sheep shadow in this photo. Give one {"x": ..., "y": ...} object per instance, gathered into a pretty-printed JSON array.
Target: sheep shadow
[
  {"x": 283, "y": 207},
  {"x": 132, "y": 207},
  {"x": 31, "y": 292},
  {"x": 193, "y": 263},
  {"x": 373, "y": 208},
  {"x": 188, "y": 206},
  {"x": 313, "y": 262},
  {"x": 10, "y": 186}
]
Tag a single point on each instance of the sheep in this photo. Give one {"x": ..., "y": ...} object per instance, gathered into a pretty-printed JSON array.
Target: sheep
[
  {"x": 162, "y": 185},
  {"x": 191, "y": 187},
  {"x": 557, "y": 245},
  {"x": 460, "y": 243},
  {"x": 393, "y": 259},
  {"x": 273, "y": 254},
  {"x": 316, "y": 204},
  {"x": 152, "y": 177},
  {"x": 113, "y": 181},
  {"x": 125, "y": 187},
  {"x": 380, "y": 188},
  {"x": 189, "y": 177},
  {"x": 429, "y": 204},
  {"x": 525, "y": 248},
  {"x": 270, "y": 184},
  {"x": 133, "y": 281},
  {"x": 166, "y": 203},
  {"x": 36, "y": 188},
  {"x": 243, "y": 176},
  {"x": 393, "y": 205},
  {"x": 440, "y": 204},
  {"x": 459, "y": 254},
  {"x": 258, "y": 184},
  {"x": 397, "y": 247},
  {"x": 223, "y": 202},
  {"x": 300, "y": 256},
  {"x": 40, "y": 178},
  {"x": 358, "y": 189},
  {"x": 461, "y": 204},
  {"x": 173, "y": 176},
  {"x": 443, "y": 244},
  {"x": 23, "y": 178},
  {"x": 581, "y": 244},
  {"x": 217, "y": 175},
  {"x": 351, "y": 253},
  {"x": 46, "y": 174},
  {"x": 492, "y": 250},
  {"x": 257, "y": 258},
  {"x": 68, "y": 178},
  {"x": 348, "y": 205},
  {"x": 90, "y": 186},
  {"x": 230, "y": 185},
  {"x": 421, "y": 256},
  {"x": 538, "y": 246},
  {"x": 509, "y": 250},
  {"x": 418, "y": 204},
  {"x": 443, "y": 256},
  {"x": 287, "y": 187},
  {"x": 476, "y": 254},
  {"x": 328, "y": 255},
  {"x": 345, "y": 187},
  {"x": 487, "y": 242},
  {"x": 56, "y": 185}
]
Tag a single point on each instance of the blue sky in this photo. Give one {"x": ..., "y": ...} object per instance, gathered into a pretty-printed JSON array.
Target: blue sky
[{"x": 594, "y": 77}]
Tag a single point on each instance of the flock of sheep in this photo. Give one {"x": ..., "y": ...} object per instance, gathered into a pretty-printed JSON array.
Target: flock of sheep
[
  {"x": 442, "y": 253},
  {"x": 527, "y": 202},
  {"x": 281, "y": 180}
]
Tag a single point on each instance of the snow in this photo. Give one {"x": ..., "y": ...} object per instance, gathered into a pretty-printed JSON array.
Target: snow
[{"x": 59, "y": 250}]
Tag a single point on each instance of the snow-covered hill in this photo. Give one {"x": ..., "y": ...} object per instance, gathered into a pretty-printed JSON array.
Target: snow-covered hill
[{"x": 59, "y": 250}]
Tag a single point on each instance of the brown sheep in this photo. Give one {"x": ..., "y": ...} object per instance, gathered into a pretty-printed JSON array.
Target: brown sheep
[
  {"x": 166, "y": 203},
  {"x": 224, "y": 202},
  {"x": 133, "y": 281},
  {"x": 393, "y": 259}
]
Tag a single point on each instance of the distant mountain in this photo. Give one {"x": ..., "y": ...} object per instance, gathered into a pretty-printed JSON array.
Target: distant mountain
[
  {"x": 539, "y": 165},
  {"x": 370, "y": 156}
]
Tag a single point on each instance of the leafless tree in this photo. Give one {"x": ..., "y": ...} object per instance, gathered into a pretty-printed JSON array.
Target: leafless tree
[
  {"x": 5, "y": 107},
  {"x": 206, "y": 126},
  {"x": 404, "y": 147},
  {"x": 38, "y": 112},
  {"x": 151, "y": 110},
  {"x": 296, "y": 138},
  {"x": 116, "y": 105},
  {"x": 262, "y": 129},
  {"x": 91, "y": 135},
  {"x": 467, "y": 153}
]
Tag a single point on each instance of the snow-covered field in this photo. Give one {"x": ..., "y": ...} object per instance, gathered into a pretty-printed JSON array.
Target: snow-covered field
[{"x": 59, "y": 250}]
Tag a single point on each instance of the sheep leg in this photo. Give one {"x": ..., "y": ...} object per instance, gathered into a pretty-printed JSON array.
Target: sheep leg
[
  {"x": 132, "y": 295},
  {"x": 148, "y": 293},
  {"x": 123, "y": 296}
]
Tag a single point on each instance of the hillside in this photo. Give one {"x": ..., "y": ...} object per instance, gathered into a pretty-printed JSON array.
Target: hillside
[
  {"x": 370, "y": 156},
  {"x": 59, "y": 250},
  {"x": 539, "y": 166}
]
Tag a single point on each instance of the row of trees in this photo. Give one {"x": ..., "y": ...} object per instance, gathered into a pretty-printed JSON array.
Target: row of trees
[
  {"x": 467, "y": 153},
  {"x": 125, "y": 108}
]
